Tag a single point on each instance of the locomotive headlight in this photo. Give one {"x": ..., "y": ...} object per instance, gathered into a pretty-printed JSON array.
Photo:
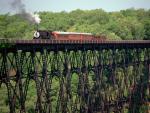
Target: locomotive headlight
[{"x": 36, "y": 34}]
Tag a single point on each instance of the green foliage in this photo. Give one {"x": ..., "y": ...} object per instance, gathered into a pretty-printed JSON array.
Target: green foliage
[
  {"x": 147, "y": 29},
  {"x": 127, "y": 24},
  {"x": 12, "y": 26},
  {"x": 6, "y": 45}
]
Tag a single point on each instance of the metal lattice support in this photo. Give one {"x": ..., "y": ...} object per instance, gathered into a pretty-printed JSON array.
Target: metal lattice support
[{"x": 79, "y": 81}]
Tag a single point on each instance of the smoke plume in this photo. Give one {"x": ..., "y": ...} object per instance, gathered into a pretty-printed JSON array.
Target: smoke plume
[{"x": 20, "y": 7}]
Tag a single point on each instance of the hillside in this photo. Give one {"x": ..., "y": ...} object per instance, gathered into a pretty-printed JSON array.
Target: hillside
[{"x": 126, "y": 24}]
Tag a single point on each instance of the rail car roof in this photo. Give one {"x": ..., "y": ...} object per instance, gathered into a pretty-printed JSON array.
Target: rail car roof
[{"x": 60, "y": 32}]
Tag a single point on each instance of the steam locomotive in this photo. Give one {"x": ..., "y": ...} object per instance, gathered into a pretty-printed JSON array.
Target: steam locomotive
[{"x": 57, "y": 35}]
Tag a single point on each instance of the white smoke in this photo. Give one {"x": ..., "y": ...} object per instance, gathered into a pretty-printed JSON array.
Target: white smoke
[
  {"x": 20, "y": 7},
  {"x": 36, "y": 18}
]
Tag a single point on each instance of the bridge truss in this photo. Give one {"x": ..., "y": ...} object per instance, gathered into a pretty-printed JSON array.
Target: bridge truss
[{"x": 76, "y": 76}]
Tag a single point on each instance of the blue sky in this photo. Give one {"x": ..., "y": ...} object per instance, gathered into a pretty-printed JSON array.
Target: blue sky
[{"x": 69, "y": 5}]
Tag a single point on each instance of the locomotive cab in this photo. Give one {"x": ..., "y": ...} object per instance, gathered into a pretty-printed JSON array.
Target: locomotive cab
[{"x": 41, "y": 34}]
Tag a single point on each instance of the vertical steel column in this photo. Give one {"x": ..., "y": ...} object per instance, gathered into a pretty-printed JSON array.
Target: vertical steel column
[
  {"x": 67, "y": 74},
  {"x": 47, "y": 103},
  {"x": 19, "y": 77},
  {"x": 85, "y": 85},
  {"x": 147, "y": 62},
  {"x": 98, "y": 68},
  {"x": 38, "y": 108},
  {"x": 6, "y": 80}
]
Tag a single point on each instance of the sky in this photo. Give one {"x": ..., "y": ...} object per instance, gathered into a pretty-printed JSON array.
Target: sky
[{"x": 69, "y": 5}]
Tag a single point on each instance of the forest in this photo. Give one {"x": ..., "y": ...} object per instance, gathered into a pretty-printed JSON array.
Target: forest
[{"x": 129, "y": 24}]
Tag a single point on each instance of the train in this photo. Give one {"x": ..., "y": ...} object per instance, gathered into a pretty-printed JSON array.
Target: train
[{"x": 59, "y": 35}]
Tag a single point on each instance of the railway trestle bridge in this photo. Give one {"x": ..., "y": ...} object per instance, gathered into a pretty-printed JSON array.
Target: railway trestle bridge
[{"x": 75, "y": 76}]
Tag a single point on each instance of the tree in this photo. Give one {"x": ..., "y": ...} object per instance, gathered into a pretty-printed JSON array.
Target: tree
[{"x": 147, "y": 29}]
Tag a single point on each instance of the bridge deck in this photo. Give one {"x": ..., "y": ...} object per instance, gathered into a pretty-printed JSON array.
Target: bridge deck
[
  {"x": 47, "y": 41},
  {"x": 74, "y": 44}
]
